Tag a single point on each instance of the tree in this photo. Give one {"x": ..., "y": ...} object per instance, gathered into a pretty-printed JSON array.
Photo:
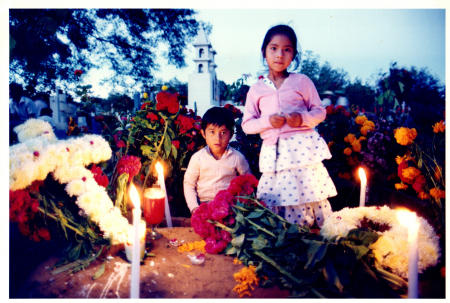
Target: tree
[
  {"x": 47, "y": 45},
  {"x": 360, "y": 94}
]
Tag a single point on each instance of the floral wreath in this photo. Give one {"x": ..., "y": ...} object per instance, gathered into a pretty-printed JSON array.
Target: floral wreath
[
  {"x": 391, "y": 248},
  {"x": 40, "y": 153}
]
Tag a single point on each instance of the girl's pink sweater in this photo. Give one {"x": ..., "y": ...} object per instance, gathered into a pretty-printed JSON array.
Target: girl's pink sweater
[{"x": 296, "y": 94}]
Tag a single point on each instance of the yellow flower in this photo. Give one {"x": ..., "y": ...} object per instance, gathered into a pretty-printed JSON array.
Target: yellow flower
[
  {"x": 145, "y": 95},
  {"x": 404, "y": 135},
  {"x": 247, "y": 280},
  {"x": 439, "y": 127},
  {"x": 356, "y": 146},
  {"x": 400, "y": 186},
  {"x": 350, "y": 138},
  {"x": 410, "y": 173},
  {"x": 437, "y": 193},
  {"x": 190, "y": 246},
  {"x": 164, "y": 88},
  {"x": 360, "y": 120},
  {"x": 348, "y": 151},
  {"x": 400, "y": 159}
]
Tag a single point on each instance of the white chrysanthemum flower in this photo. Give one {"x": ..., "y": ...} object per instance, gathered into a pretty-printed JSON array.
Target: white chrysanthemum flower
[
  {"x": 391, "y": 249},
  {"x": 33, "y": 128}
]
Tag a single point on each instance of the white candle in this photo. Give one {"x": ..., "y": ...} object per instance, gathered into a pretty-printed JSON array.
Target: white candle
[
  {"x": 136, "y": 257},
  {"x": 409, "y": 220},
  {"x": 162, "y": 184},
  {"x": 362, "y": 194}
]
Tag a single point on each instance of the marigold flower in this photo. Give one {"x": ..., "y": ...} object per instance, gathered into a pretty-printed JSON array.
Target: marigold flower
[
  {"x": 360, "y": 119},
  {"x": 145, "y": 95},
  {"x": 164, "y": 88},
  {"x": 356, "y": 146},
  {"x": 437, "y": 193},
  {"x": 347, "y": 151},
  {"x": 400, "y": 159},
  {"x": 400, "y": 186},
  {"x": 368, "y": 126},
  {"x": 439, "y": 127},
  {"x": 190, "y": 246},
  {"x": 404, "y": 135},
  {"x": 350, "y": 138},
  {"x": 410, "y": 173},
  {"x": 423, "y": 196},
  {"x": 247, "y": 280}
]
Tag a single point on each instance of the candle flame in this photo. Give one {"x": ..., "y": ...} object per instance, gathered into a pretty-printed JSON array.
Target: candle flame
[
  {"x": 134, "y": 196},
  {"x": 362, "y": 175},
  {"x": 159, "y": 169},
  {"x": 408, "y": 219}
]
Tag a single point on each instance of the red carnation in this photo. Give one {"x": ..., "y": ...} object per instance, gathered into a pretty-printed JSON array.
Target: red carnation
[
  {"x": 130, "y": 165},
  {"x": 99, "y": 177}
]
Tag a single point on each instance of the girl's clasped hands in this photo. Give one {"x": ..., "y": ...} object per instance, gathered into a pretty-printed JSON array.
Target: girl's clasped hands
[{"x": 293, "y": 120}]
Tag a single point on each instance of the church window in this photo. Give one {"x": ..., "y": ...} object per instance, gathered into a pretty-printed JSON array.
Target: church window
[
  {"x": 200, "y": 52},
  {"x": 200, "y": 68}
]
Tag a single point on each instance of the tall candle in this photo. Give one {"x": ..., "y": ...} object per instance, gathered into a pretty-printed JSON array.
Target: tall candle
[
  {"x": 136, "y": 256},
  {"x": 362, "y": 194},
  {"x": 409, "y": 220},
  {"x": 162, "y": 184}
]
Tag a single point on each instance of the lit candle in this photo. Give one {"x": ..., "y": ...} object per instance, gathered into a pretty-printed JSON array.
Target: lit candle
[
  {"x": 160, "y": 171},
  {"x": 362, "y": 194},
  {"x": 409, "y": 220},
  {"x": 136, "y": 258}
]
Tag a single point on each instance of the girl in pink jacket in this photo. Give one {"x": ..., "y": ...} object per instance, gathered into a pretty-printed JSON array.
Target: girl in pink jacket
[{"x": 284, "y": 108}]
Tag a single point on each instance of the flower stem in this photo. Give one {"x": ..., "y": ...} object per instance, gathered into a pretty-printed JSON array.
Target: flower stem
[
  {"x": 279, "y": 268},
  {"x": 65, "y": 224},
  {"x": 223, "y": 226},
  {"x": 261, "y": 228}
]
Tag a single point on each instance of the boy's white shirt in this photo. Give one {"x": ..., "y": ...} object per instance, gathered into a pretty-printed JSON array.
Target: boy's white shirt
[{"x": 205, "y": 176}]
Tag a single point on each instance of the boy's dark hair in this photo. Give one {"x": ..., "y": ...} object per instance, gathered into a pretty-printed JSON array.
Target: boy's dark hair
[
  {"x": 287, "y": 31},
  {"x": 218, "y": 116}
]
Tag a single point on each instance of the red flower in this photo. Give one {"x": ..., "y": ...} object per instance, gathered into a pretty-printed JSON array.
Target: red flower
[
  {"x": 78, "y": 72},
  {"x": 152, "y": 116},
  {"x": 176, "y": 143},
  {"x": 99, "y": 177},
  {"x": 184, "y": 123},
  {"x": 99, "y": 118},
  {"x": 130, "y": 165},
  {"x": 121, "y": 144},
  {"x": 243, "y": 185},
  {"x": 191, "y": 146},
  {"x": 199, "y": 221},
  {"x": 144, "y": 105},
  {"x": 261, "y": 77},
  {"x": 419, "y": 183},
  {"x": 44, "y": 233},
  {"x": 219, "y": 208},
  {"x": 167, "y": 101}
]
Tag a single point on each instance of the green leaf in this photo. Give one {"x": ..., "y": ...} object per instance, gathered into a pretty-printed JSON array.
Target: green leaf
[
  {"x": 256, "y": 214},
  {"x": 174, "y": 151},
  {"x": 167, "y": 146},
  {"x": 99, "y": 272},
  {"x": 240, "y": 218},
  {"x": 280, "y": 239},
  {"x": 365, "y": 237},
  {"x": 259, "y": 243},
  {"x": 401, "y": 86},
  {"x": 147, "y": 151},
  {"x": 332, "y": 277},
  {"x": 238, "y": 241},
  {"x": 316, "y": 252}
]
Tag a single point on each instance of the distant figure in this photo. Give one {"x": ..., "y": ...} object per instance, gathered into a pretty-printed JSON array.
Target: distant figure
[
  {"x": 342, "y": 99},
  {"x": 327, "y": 98}
]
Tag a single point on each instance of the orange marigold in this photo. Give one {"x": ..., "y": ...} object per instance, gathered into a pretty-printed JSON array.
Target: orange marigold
[
  {"x": 190, "y": 246},
  {"x": 423, "y": 196},
  {"x": 410, "y": 173},
  {"x": 439, "y": 127},
  {"x": 400, "y": 159},
  {"x": 350, "y": 138},
  {"x": 360, "y": 119},
  {"x": 368, "y": 126},
  {"x": 247, "y": 280},
  {"x": 404, "y": 135},
  {"x": 400, "y": 186},
  {"x": 356, "y": 146},
  {"x": 437, "y": 193},
  {"x": 348, "y": 151}
]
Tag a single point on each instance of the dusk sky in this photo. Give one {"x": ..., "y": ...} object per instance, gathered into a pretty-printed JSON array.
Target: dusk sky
[{"x": 363, "y": 42}]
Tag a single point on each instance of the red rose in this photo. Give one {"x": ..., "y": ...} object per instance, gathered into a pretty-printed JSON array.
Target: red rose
[
  {"x": 152, "y": 116},
  {"x": 167, "y": 101}
]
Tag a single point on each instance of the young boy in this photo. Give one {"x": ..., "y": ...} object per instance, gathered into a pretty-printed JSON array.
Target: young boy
[{"x": 213, "y": 167}]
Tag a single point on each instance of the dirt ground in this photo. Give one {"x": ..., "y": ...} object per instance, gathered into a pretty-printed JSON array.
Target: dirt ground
[{"x": 167, "y": 274}]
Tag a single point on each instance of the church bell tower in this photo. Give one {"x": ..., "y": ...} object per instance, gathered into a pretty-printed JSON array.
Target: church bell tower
[{"x": 203, "y": 88}]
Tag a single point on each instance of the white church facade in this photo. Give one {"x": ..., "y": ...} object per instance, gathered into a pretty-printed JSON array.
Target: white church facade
[{"x": 203, "y": 87}]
